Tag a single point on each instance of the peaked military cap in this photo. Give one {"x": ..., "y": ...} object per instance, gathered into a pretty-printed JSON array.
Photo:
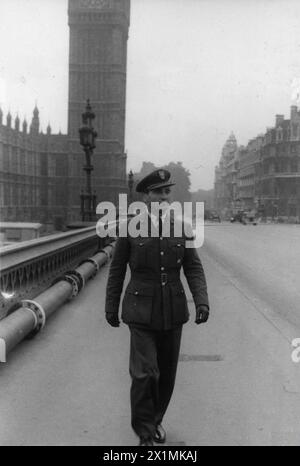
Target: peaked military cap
[{"x": 157, "y": 179}]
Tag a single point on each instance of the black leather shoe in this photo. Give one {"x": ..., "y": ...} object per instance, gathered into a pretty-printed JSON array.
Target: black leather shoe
[
  {"x": 160, "y": 434},
  {"x": 146, "y": 442}
]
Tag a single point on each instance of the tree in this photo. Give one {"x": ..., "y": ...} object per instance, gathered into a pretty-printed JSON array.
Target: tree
[{"x": 180, "y": 176}]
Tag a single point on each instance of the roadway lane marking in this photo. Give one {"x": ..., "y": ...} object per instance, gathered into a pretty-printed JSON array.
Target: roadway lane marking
[{"x": 200, "y": 357}]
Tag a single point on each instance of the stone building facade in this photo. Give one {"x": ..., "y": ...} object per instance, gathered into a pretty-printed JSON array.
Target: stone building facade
[
  {"x": 226, "y": 177},
  {"x": 41, "y": 175},
  {"x": 248, "y": 187},
  {"x": 33, "y": 171},
  {"x": 280, "y": 168},
  {"x": 264, "y": 176}
]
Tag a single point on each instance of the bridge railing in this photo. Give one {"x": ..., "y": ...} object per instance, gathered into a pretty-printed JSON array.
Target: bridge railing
[{"x": 28, "y": 268}]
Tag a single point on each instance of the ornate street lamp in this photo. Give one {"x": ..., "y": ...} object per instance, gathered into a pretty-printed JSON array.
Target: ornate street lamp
[
  {"x": 130, "y": 185},
  {"x": 87, "y": 141}
]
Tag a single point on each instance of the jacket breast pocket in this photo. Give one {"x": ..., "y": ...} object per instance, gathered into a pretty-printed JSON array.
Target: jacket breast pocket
[
  {"x": 176, "y": 251},
  {"x": 140, "y": 252},
  {"x": 137, "y": 304}
]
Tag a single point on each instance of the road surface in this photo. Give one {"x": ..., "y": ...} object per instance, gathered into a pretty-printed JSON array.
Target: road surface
[{"x": 236, "y": 382}]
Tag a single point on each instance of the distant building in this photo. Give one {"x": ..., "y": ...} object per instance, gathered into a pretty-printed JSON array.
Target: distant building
[
  {"x": 226, "y": 178},
  {"x": 263, "y": 176},
  {"x": 280, "y": 168},
  {"x": 33, "y": 171},
  {"x": 41, "y": 175},
  {"x": 248, "y": 188}
]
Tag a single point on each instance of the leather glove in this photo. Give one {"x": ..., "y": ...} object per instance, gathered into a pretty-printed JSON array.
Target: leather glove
[
  {"x": 113, "y": 320},
  {"x": 202, "y": 315}
]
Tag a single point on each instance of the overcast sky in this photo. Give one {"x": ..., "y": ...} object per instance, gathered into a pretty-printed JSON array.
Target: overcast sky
[{"x": 197, "y": 70}]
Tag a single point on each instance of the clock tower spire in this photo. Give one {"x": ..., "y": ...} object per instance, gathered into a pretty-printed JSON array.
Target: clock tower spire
[{"x": 97, "y": 71}]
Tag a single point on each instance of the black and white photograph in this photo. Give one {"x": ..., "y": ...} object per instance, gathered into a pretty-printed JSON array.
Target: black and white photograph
[{"x": 149, "y": 225}]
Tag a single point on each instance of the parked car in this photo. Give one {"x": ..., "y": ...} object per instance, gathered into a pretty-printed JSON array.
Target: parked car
[
  {"x": 245, "y": 217},
  {"x": 239, "y": 217},
  {"x": 212, "y": 215}
]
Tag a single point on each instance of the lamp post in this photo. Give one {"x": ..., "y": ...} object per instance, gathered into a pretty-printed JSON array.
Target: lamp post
[
  {"x": 87, "y": 141},
  {"x": 130, "y": 185}
]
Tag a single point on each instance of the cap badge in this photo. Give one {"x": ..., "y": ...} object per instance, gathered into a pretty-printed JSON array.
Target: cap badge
[{"x": 161, "y": 174}]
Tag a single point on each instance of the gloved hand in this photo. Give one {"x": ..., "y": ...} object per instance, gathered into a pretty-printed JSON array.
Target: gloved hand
[
  {"x": 113, "y": 319},
  {"x": 202, "y": 314}
]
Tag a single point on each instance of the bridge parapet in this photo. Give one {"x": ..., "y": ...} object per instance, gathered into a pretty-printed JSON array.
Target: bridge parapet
[{"x": 30, "y": 267}]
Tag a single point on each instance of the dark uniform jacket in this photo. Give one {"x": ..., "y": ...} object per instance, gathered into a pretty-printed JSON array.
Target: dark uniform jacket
[{"x": 155, "y": 297}]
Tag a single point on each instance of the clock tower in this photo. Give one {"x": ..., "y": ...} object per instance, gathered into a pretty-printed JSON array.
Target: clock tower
[{"x": 97, "y": 71}]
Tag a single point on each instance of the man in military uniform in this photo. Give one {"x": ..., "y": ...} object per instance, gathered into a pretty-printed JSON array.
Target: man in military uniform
[{"x": 154, "y": 307}]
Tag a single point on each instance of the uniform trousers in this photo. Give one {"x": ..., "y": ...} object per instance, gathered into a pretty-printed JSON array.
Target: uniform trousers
[{"x": 153, "y": 364}]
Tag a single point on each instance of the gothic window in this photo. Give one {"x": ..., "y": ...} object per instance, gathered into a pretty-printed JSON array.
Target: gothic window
[
  {"x": 41, "y": 196},
  {"x": 26, "y": 198},
  {"x": 293, "y": 189},
  {"x": 294, "y": 165},
  {"x": 294, "y": 130},
  {"x": 15, "y": 200},
  {"x": 60, "y": 194},
  {"x": 60, "y": 166},
  {"x": 29, "y": 189},
  {"x": 28, "y": 163},
  {"x": 6, "y": 194},
  {"x": 5, "y": 159},
  {"x": 35, "y": 164},
  {"x": 18, "y": 162},
  {"x": 1, "y": 195},
  {"x": 51, "y": 200},
  {"x": 22, "y": 162},
  {"x": 51, "y": 165},
  {"x": 11, "y": 199},
  {"x": 1, "y": 156},
  {"x": 283, "y": 166},
  {"x": 28, "y": 171},
  {"x": 20, "y": 194},
  {"x": 14, "y": 160},
  {"x": 32, "y": 170},
  {"x": 43, "y": 166}
]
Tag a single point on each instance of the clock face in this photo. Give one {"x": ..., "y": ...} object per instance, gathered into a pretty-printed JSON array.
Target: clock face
[{"x": 97, "y": 4}]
